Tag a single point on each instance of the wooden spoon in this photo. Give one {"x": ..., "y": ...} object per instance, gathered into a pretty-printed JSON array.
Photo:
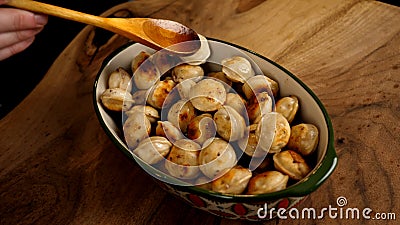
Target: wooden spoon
[{"x": 155, "y": 33}]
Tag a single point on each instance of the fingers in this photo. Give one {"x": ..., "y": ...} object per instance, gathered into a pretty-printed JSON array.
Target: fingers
[
  {"x": 16, "y": 19},
  {"x": 15, "y": 48},
  {"x": 11, "y": 38},
  {"x": 18, "y": 29}
]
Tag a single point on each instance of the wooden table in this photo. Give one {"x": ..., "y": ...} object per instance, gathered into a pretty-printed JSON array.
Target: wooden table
[{"x": 57, "y": 166}]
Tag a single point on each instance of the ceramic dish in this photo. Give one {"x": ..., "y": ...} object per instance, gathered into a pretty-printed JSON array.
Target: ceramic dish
[{"x": 249, "y": 207}]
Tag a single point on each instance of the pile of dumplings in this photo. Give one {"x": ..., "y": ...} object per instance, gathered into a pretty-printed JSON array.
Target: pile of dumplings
[{"x": 203, "y": 126}]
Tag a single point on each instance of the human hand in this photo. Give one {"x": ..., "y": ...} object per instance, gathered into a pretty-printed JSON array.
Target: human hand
[{"x": 18, "y": 29}]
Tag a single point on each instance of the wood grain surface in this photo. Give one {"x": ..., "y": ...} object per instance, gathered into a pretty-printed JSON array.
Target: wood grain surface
[{"x": 57, "y": 165}]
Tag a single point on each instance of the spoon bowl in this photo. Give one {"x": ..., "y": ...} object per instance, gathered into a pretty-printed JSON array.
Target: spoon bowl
[{"x": 155, "y": 33}]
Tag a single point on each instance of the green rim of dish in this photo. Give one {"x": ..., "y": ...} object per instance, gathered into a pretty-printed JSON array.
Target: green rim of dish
[{"x": 301, "y": 188}]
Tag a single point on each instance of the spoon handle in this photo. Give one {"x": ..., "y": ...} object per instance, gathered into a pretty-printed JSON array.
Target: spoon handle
[
  {"x": 57, "y": 11},
  {"x": 155, "y": 33}
]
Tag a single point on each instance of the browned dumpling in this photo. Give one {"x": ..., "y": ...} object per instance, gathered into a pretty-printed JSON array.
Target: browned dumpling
[
  {"x": 259, "y": 105},
  {"x": 273, "y": 132},
  {"x": 181, "y": 113},
  {"x": 201, "y": 128},
  {"x": 153, "y": 149},
  {"x": 235, "y": 101},
  {"x": 237, "y": 69},
  {"x": 186, "y": 71},
  {"x": 221, "y": 77},
  {"x": 248, "y": 144},
  {"x": 184, "y": 88},
  {"x": 136, "y": 128},
  {"x": 120, "y": 78},
  {"x": 146, "y": 75},
  {"x": 116, "y": 99},
  {"x": 231, "y": 126},
  {"x": 138, "y": 60},
  {"x": 255, "y": 85},
  {"x": 287, "y": 106},
  {"x": 216, "y": 157},
  {"x": 291, "y": 163},
  {"x": 183, "y": 159},
  {"x": 267, "y": 182},
  {"x": 282, "y": 134},
  {"x": 160, "y": 92},
  {"x": 168, "y": 130},
  {"x": 139, "y": 97},
  {"x": 274, "y": 86},
  {"x": 150, "y": 112},
  {"x": 164, "y": 61},
  {"x": 232, "y": 182},
  {"x": 304, "y": 138},
  {"x": 208, "y": 95}
]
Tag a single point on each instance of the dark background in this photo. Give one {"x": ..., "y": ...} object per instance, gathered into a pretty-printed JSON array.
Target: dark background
[{"x": 20, "y": 73}]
